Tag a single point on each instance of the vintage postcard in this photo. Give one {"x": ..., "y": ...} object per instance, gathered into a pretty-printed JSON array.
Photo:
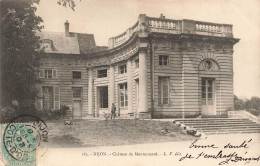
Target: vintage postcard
[{"x": 134, "y": 82}]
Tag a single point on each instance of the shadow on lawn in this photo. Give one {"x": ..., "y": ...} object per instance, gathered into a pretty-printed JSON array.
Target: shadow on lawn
[{"x": 66, "y": 141}]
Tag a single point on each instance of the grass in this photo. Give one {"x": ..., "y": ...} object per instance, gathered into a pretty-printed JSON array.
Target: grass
[{"x": 89, "y": 133}]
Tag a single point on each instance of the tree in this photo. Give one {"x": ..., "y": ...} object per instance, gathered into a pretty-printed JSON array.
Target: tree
[
  {"x": 253, "y": 103},
  {"x": 238, "y": 103},
  {"x": 20, "y": 50},
  {"x": 65, "y": 3}
]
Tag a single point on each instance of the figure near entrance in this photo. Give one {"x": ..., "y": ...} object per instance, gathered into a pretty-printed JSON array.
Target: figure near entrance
[{"x": 113, "y": 111}]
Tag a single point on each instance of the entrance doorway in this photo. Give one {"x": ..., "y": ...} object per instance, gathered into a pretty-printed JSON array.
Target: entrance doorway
[
  {"x": 208, "y": 96},
  {"x": 77, "y": 102},
  {"x": 103, "y": 97},
  {"x": 77, "y": 108}
]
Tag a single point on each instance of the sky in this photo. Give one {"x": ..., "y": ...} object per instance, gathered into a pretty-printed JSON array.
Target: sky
[{"x": 108, "y": 18}]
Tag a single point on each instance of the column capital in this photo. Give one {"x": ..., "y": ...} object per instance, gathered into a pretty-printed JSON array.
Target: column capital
[
  {"x": 89, "y": 67},
  {"x": 143, "y": 50},
  {"x": 112, "y": 65}
]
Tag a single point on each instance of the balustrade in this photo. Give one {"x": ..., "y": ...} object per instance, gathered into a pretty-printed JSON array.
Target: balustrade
[
  {"x": 120, "y": 39},
  {"x": 243, "y": 114},
  {"x": 164, "y": 24},
  {"x": 174, "y": 27},
  {"x": 208, "y": 27}
]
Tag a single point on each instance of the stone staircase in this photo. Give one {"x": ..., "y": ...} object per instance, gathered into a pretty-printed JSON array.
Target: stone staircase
[{"x": 211, "y": 126}]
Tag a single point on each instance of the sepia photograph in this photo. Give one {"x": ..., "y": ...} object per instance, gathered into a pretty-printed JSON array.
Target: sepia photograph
[{"x": 133, "y": 82}]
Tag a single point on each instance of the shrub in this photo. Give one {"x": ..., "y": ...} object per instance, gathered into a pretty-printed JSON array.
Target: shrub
[
  {"x": 251, "y": 105},
  {"x": 52, "y": 114},
  {"x": 64, "y": 109}
]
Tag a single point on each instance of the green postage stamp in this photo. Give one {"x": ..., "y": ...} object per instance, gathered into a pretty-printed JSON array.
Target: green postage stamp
[
  {"x": 18, "y": 144},
  {"x": 20, "y": 141}
]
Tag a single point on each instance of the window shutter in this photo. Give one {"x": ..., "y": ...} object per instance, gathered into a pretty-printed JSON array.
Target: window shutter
[
  {"x": 41, "y": 73},
  {"x": 160, "y": 91},
  {"x": 38, "y": 101},
  {"x": 54, "y": 73},
  {"x": 56, "y": 98}
]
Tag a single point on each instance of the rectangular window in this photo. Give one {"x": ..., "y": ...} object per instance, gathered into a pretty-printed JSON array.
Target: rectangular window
[
  {"x": 163, "y": 90},
  {"x": 48, "y": 97},
  {"x": 137, "y": 63},
  {"x": 163, "y": 60},
  {"x": 102, "y": 73},
  {"x": 123, "y": 94},
  {"x": 48, "y": 73},
  {"x": 76, "y": 74},
  {"x": 76, "y": 92},
  {"x": 122, "y": 69}
]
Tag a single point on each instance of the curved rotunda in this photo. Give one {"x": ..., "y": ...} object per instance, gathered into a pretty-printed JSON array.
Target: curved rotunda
[{"x": 157, "y": 68}]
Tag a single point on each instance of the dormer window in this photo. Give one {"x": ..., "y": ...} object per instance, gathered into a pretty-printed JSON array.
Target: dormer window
[{"x": 47, "y": 45}]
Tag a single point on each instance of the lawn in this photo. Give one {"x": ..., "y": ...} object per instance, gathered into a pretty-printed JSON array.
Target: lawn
[{"x": 89, "y": 133}]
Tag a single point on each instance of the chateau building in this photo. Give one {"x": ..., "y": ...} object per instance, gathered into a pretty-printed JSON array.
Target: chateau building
[{"x": 157, "y": 68}]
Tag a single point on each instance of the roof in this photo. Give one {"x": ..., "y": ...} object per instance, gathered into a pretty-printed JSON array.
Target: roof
[
  {"x": 86, "y": 42},
  {"x": 61, "y": 43},
  {"x": 76, "y": 43}
]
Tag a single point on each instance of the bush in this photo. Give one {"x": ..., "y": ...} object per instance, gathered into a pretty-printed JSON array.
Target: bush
[
  {"x": 238, "y": 103},
  {"x": 53, "y": 114},
  {"x": 251, "y": 105},
  {"x": 254, "y": 111},
  {"x": 63, "y": 110},
  {"x": 7, "y": 113}
]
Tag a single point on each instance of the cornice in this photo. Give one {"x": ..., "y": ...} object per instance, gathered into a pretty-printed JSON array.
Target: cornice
[{"x": 195, "y": 37}]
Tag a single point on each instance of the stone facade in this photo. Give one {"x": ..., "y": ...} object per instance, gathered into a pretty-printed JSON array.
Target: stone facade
[{"x": 158, "y": 67}]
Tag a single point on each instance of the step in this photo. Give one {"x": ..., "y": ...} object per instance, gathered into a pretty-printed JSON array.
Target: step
[
  {"x": 213, "y": 120},
  {"x": 206, "y": 123},
  {"x": 221, "y": 126},
  {"x": 234, "y": 128},
  {"x": 227, "y": 123},
  {"x": 233, "y": 132},
  {"x": 185, "y": 119}
]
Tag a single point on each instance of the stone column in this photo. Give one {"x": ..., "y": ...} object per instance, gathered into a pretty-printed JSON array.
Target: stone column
[
  {"x": 90, "y": 91},
  {"x": 129, "y": 86},
  {"x": 111, "y": 95},
  {"x": 142, "y": 81}
]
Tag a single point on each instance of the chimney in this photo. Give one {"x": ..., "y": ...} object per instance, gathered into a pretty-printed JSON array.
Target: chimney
[
  {"x": 162, "y": 16},
  {"x": 67, "y": 28}
]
